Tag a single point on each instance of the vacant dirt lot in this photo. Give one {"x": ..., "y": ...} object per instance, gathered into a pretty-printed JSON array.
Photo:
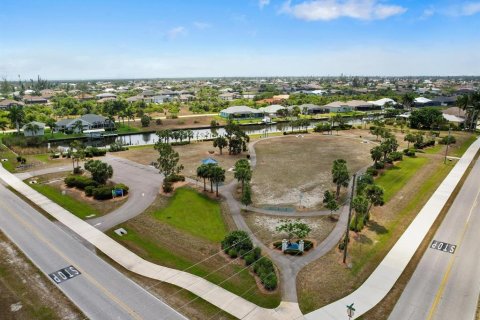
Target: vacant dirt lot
[
  {"x": 295, "y": 171},
  {"x": 264, "y": 227},
  {"x": 191, "y": 156}
]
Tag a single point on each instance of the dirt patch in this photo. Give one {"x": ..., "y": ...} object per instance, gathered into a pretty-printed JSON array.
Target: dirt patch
[
  {"x": 191, "y": 156},
  {"x": 25, "y": 293},
  {"x": 295, "y": 171},
  {"x": 263, "y": 226}
]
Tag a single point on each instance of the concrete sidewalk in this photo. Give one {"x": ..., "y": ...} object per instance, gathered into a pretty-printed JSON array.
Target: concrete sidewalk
[
  {"x": 374, "y": 289},
  {"x": 221, "y": 298}
]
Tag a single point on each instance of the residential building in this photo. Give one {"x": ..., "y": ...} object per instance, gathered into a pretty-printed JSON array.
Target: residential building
[
  {"x": 34, "y": 100},
  {"x": 240, "y": 112},
  {"x": 7, "y": 103},
  {"x": 34, "y": 129},
  {"x": 88, "y": 121},
  {"x": 338, "y": 106}
]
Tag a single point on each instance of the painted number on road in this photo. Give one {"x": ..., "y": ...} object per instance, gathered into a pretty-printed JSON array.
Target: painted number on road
[
  {"x": 64, "y": 274},
  {"x": 443, "y": 246}
]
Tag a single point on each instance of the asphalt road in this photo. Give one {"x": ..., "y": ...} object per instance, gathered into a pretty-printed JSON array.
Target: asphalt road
[
  {"x": 100, "y": 291},
  {"x": 446, "y": 285}
]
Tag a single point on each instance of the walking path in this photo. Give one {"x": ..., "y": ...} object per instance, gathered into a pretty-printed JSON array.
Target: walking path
[
  {"x": 212, "y": 293},
  {"x": 365, "y": 297}
]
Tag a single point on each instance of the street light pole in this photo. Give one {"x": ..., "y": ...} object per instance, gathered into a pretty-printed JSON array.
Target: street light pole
[
  {"x": 448, "y": 144},
  {"x": 348, "y": 220}
]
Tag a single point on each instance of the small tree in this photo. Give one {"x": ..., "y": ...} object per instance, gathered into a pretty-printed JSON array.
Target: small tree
[
  {"x": 374, "y": 194},
  {"x": 376, "y": 153},
  {"x": 217, "y": 176},
  {"x": 243, "y": 172},
  {"x": 145, "y": 120},
  {"x": 220, "y": 143},
  {"x": 52, "y": 124},
  {"x": 247, "y": 195},
  {"x": 330, "y": 202},
  {"x": 340, "y": 175},
  {"x": 99, "y": 170},
  {"x": 168, "y": 160},
  {"x": 410, "y": 138},
  {"x": 294, "y": 228},
  {"x": 360, "y": 205}
]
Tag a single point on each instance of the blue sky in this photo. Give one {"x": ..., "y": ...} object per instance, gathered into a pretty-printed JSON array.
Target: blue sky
[{"x": 133, "y": 39}]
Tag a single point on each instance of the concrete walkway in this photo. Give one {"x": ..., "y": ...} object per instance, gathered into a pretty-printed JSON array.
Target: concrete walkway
[
  {"x": 374, "y": 289},
  {"x": 212, "y": 293}
]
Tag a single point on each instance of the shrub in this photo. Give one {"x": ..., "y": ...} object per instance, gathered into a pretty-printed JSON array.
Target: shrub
[
  {"x": 379, "y": 165},
  {"x": 238, "y": 240},
  {"x": 77, "y": 170},
  {"x": 270, "y": 281},
  {"x": 89, "y": 191},
  {"x": 409, "y": 152},
  {"x": 266, "y": 272},
  {"x": 232, "y": 253},
  {"x": 167, "y": 186},
  {"x": 91, "y": 152},
  {"x": 372, "y": 171},
  {"x": 80, "y": 182},
  {"x": 102, "y": 193},
  {"x": 158, "y": 122},
  {"x": 448, "y": 140},
  {"x": 249, "y": 259},
  {"x": 277, "y": 245},
  {"x": 307, "y": 245},
  {"x": 145, "y": 120},
  {"x": 121, "y": 186},
  {"x": 293, "y": 252},
  {"x": 180, "y": 143},
  {"x": 116, "y": 147},
  {"x": 396, "y": 156}
]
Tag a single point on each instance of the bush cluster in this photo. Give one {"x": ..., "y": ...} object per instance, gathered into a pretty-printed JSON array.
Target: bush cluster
[
  {"x": 422, "y": 145},
  {"x": 265, "y": 270},
  {"x": 238, "y": 244},
  {"x": 80, "y": 182},
  {"x": 169, "y": 181},
  {"x": 116, "y": 147},
  {"x": 180, "y": 143},
  {"x": 91, "y": 152},
  {"x": 395, "y": 156},
  {"x": 448, "y": 140},
  {"x": 409, "y": 152},
  {"x": 102, "y": 193}
]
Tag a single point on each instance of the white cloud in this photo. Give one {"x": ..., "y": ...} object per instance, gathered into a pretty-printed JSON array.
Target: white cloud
[
  {"x": 176, "y": 32},
  {"x": 470, "y": 8},
  {"x": 263, "y": 3},
  {"x": 313, "y": 10},
  {"x": 459, "y": 9},
  {"x": 201, "y": 25}
]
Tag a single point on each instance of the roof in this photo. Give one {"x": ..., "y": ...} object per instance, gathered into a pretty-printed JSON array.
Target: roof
[
  {"x": 422, "y": 100},
  {"x": 105, "y": 95},
  {"x": 271, "y": 108},
  {"x": 357, "y": 103},
  {"x": 382, "y": 102},
  {"x": 92, "y": 118},
  {"x": 455, "y": 111},
  {"x": 40, "y": 125},
  {"x": 310, "y": 106},
  {"x": 240, "y": 109},
  {"x": 8, "y": 102},
  {"x": 335, "y": 104},
  {"x": 452, "y": 118},
  {"x": 209, "y": 161}
]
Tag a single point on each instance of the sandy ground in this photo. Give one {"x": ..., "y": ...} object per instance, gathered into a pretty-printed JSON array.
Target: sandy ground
[
  {"x": 264, "y": 227},
  {"x": 295, "y": 171},
  {"x": 191, "y": 156}
]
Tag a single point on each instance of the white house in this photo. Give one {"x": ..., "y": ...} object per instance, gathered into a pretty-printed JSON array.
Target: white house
[
  {"x": 272, "y": 109},
  {"x": 338, "y": 106},
  {"x": 236, "y": 112}
]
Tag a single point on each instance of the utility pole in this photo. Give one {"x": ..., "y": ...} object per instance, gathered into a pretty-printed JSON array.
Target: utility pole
[
  {"x": 348, "y": 220},
  {"x": 448, "y": 144}
]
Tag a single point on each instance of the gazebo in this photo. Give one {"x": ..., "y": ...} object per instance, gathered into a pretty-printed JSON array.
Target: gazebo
[{"x": 209, "y": 161}]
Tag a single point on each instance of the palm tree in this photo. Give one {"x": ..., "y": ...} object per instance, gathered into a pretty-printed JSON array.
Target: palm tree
[
  {"x": 220, "y": 143},
  {"x": 243, "y": 172},
  {"x": 77, "y": 126},
  {"x": 3, "y": 124},
  {"x": 203, "y": 172},
  {"x": 407, "y": 100},
  {"x": 16, "y": 116},
  {"x": 52, "y": 124},
  {"x": 217, "y": 176},
  {"x": 374, "y": 194},
  {"x": 32, "y": 127},
  {"x": 470, "y": 103},
  {"x": 340, "y": 175}
]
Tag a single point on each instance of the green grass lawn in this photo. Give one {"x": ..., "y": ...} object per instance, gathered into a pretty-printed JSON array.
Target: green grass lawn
[
  {"x": 461, "y": 150},
  {"x": 241, "y": 284},
  {"x": 78, "y": 208},
  {"x": 123, "y": 128},
  {"x": 428, "y": 187},
  {"x": 395, "y": 178},
  {"x": 194, "y": 213},
  {"x": 6, "y": 153}
]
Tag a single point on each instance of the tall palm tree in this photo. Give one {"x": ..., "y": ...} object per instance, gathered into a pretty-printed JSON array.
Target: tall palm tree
[
  {"x": 16, "y": 116},
  {"x": 243, "y": 172},
  {"x": 78, "y": 126},
  {"x": 203, "y": 172},
  {"x": 52, "y": 124},
  {"x": 217, "y": 176},
  {"x": 407, "y": 100},
  {"x": 340, "y": 175}
]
